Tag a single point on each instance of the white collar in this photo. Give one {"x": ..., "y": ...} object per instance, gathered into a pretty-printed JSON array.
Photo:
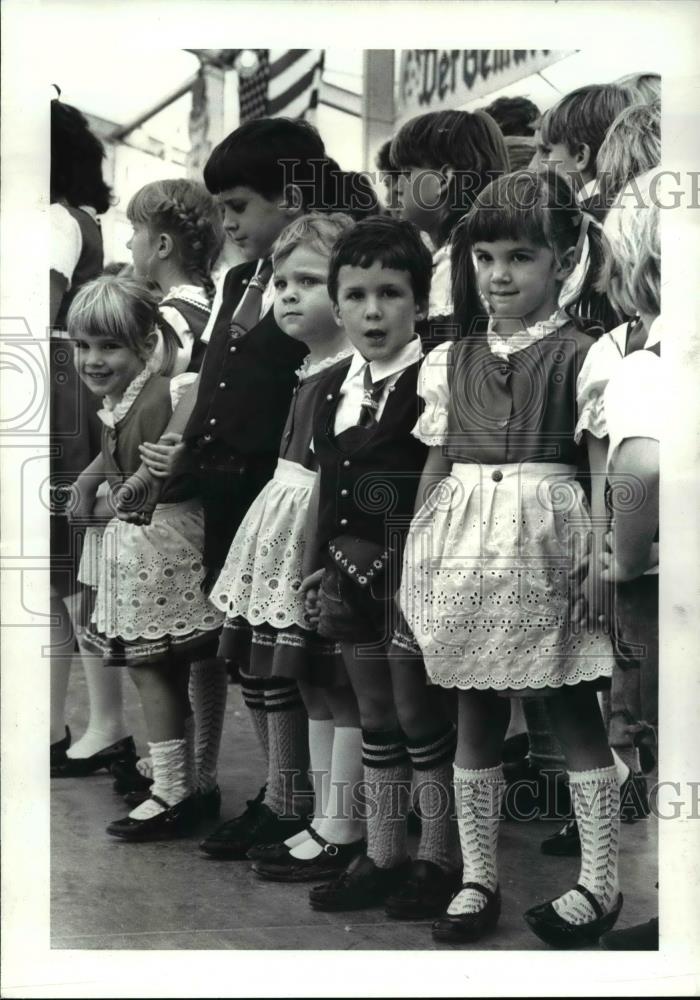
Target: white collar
[
  {"x": 308, "y": 368},
  {"x": 188, "y": 293},
  {"x": 112, "y": 413},
  {"x": 518, "y": 341},
  {"x": 408, "y": 355}
]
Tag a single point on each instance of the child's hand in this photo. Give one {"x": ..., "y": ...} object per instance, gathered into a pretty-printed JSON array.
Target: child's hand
[
  {"x": 136, "y": 499},
  {"x": 164, "y": 458},
  {"x": 309, "y": 587}
]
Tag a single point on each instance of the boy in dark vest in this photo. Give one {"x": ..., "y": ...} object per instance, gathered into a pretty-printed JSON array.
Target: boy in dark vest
[
  {"x": 266, "y": 173},
  {"x": 370, "y": 466}
]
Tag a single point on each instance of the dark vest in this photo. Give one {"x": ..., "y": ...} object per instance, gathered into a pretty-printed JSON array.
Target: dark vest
[
  {"x": 522, "y": 409},
  {"x": 146, "y": 420},
  {"x": 369, "y": 487},
  {"x": 196, "y": 317},
  {"x": 245, "y": 385},
  {"x": 90, "y": 262}
]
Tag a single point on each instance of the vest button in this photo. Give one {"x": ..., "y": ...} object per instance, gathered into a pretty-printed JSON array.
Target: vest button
[
  {"x": 343, "y": 522},
  {"x": 343, "y": 493},
  {"x": 231, "y": 350},
  {"x": 329, "y": 397},
  {"x": 213, "y": 421},
  {"x": 222, "y": 385},
  {"x": 208, "y": 437},
  {"x": 497, "y": 476},
  {"x": 346, "y": 463}
]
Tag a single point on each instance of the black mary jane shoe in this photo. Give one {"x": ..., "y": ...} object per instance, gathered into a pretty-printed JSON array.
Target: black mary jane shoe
[
  {"x": 463, "y": 928},
  {"x": 175, "y": 821},
  {"x": 271, "y": 853},
  {"x": 128, "y": 778},
  {"x": 565, "y": 843},
  {"x": 549, "y": 927},
  {"x": 81, "y": 767},
  {"x": 333, "y": 859},
  {"x": 57, "y": 751},
  {"x": 361, "y": 886},
  {"x": 425, "y": 893},
  {"x": 208, "y": 803}
]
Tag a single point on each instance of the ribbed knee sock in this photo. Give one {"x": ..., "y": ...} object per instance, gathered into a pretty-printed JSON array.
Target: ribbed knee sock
[
  {"x": 432, "y": 796},
  {"x": 478, "y": 796},
  {"x": 596, "y": 798},
  {"x": 387, "y": 772},
  {"x": 253, "y": 691},
  {"x": 288, "y": 736},
  {"x": 208, "y": 690}
]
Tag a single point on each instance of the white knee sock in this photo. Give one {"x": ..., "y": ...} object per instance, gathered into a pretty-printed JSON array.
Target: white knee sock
[
  {"x": 208, "y": 690},
  {"x": 170, "y": 780},
  {"x": 106, "y": 723},
  {"x": 320, "y": 754},
  {"x": 478, "y": 796},
  {"x": 622, "y": 769},
  {"x": 596, "y": 799},
  {"x": 338, "y": 825}
]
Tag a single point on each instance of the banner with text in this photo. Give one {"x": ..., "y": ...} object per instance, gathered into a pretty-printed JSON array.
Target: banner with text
[{"x": 432, "y": 79}]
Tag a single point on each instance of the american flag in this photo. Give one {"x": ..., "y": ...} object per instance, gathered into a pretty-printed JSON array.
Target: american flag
[{"x": 286, "y": 82}]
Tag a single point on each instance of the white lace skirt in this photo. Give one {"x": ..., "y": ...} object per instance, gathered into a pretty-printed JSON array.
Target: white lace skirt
[
  {"x": 262, "y": 573},
  {"x": 149, "y": 576},
  {"x": 486, "y": 580}
]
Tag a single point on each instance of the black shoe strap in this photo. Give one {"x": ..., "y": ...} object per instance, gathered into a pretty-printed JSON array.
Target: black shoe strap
[
  {"x": 488, "y": 893},
  {"x": 587, "y": 894}
]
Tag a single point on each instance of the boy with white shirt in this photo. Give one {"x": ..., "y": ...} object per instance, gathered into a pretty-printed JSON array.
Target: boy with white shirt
[{"x": 370, "y": 465}]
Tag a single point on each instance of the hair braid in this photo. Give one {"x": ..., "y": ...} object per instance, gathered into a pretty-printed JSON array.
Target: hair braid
[{"x": 188, "y": 213}]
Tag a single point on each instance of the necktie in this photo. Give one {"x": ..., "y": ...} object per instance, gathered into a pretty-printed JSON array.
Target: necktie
[
  {"x": 370, "y": 400},
  {"x": 247, "y": 314}
]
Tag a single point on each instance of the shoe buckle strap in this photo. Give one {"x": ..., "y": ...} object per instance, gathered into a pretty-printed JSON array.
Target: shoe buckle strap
[
  {"x": 487, "y": 893},
  {"x": 588, "y": 895},
  {"x": 330, "y": 849}
]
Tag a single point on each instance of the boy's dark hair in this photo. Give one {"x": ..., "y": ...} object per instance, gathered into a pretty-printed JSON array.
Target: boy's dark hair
[
  {"x": 266, "y": 154},
  {"x": 514, "y": 115},
  {"x": 584, "y": 116},
  {"x": 394, "y": 243},
  {"x": 76, "y": 160},
  {"x": 383, "y": 159},
  {"x": 468, "y": 141}
]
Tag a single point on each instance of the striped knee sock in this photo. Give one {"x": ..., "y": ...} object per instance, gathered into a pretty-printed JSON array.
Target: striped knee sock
[
  {"x": 253, "y": 691},
  {"x": 432, "y": 796},
  {"x": 288, "y": 735},
  {"x": 387, "y": 773}
]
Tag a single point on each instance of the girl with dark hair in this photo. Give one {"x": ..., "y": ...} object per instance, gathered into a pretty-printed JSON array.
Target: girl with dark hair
[
  {"x": 488, "y": 563},
  {"x": 446, "y": 158}
]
